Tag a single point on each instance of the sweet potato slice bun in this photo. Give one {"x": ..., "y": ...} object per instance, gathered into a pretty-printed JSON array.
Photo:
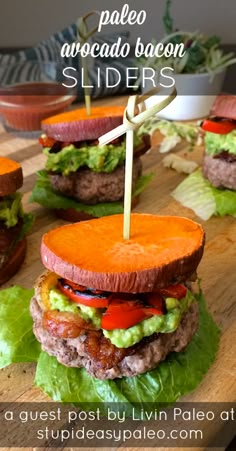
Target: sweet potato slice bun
[
  {"x": 11, "y": 177},
  {"x": 224, "y": 106},
  {"x": 162, "y": 250},
  {"x": 76, "y": 125}
]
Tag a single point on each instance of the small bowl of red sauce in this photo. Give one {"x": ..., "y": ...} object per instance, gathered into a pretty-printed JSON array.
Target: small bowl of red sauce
[{"x": 31, "y": 92}]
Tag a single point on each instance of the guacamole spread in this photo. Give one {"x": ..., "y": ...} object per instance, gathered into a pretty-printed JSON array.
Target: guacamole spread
[
  {"x": 98, "y": 159},
  {"x": 124, "y": 338},
  {"x": 216, "y": 143},
  {"x": 11, "y": 209}
]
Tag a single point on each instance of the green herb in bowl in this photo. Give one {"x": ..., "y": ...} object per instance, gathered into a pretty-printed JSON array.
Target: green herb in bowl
[{"x": 202, "y": 53}]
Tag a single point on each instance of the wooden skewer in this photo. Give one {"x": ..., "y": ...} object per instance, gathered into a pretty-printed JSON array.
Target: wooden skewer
[
  {"x": 83, "y": 35},
  {"x": 128, "y": 171},
  {"x": 130, "y": 123},
  {"x": 138, "y": 119}
]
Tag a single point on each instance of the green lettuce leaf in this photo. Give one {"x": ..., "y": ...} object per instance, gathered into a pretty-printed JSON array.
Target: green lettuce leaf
[
  {"x": 225, "y": 200},
  {"x": 44, "y": 195},
  {"x": 28, "y": 221},
  {"x": 17, "y": 341},
  {"x": 173, "y": 132},
  {"x": 179, "y": 374},
  {"x": 142, "y": 183},
  {"x": 205, "y": 200}
]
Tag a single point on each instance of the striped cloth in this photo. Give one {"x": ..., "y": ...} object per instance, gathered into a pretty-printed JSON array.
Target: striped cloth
[{"x": 24, "y": 65}]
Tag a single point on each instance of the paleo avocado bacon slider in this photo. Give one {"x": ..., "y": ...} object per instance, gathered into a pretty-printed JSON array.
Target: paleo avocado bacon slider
[
  {"x": 118, "y": 307},
  {"x": 219, "y": 164},
  {"x": 83, "y": 180},
  {"x": 212, "y": 190},
  {"x": 14, "y": 223}
]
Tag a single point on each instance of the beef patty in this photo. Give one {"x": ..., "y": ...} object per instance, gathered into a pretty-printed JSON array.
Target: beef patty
[
  {"x": 220, "y": 171},
  {"x": 104, "y": 360},
  {"x": 94, "y": 187}
]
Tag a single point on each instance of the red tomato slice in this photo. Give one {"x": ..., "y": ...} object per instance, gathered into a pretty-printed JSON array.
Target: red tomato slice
[
  {"x": 123, "y": 310},
  {"x": 221, "y": 127},
  {"x": 83, "y": 297},
  {"x": 73, "y": 285},
  {"x": 45, "y": 141},
  {"x": 174, "y": 291},
  {"x": 151, "y": 311},
  {"x": 155, "y": 300},
  {"x": 122, "y": 316}
]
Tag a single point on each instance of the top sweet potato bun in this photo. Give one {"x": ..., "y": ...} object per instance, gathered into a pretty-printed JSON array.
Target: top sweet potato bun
[
  {"x": 162, "y": 250},
  {"x": 11, "y": 176},
  {"x": 76, "y": 125},
  {"x": 224, "y": 106}
]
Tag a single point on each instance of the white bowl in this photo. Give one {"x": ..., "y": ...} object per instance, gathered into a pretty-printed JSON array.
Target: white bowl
[{"x": 197, "y": 94}]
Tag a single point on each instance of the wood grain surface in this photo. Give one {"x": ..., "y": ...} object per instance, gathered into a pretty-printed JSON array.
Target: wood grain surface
[{"x": 217, "y": 269}]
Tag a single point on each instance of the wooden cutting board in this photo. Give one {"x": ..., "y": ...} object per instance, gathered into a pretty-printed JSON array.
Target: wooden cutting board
[{"x": 217, "y": 269}]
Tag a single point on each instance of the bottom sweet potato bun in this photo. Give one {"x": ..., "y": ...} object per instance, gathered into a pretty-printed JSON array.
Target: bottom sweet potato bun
[
  {"x": 118, "y": 307},
  {"x": 13, "y": 261}
]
